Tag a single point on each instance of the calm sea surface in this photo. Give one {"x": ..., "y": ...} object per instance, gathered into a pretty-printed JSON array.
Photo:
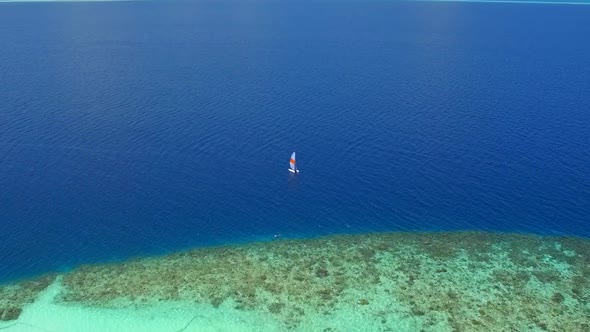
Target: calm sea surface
[{"x": 142, "y": 128}]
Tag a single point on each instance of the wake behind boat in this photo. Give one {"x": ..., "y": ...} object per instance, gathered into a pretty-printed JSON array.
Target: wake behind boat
[{"x": 293, "y": 164}]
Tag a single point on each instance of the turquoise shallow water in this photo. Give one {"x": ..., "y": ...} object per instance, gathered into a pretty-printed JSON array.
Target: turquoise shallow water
[{"x": 140, "y": 128}]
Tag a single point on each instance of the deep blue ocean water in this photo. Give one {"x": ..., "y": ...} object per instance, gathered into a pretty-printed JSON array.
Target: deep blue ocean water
[{"x": 141, "y": 128}]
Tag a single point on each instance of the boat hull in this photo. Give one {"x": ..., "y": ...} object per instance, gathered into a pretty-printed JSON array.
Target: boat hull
[{"x": 293, "y": 171}]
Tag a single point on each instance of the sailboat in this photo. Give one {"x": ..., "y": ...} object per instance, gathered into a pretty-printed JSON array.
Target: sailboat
[{"x": 293, "y": 164}]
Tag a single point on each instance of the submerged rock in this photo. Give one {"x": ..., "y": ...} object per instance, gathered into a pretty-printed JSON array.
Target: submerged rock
[{"x": 7, "y": 314}]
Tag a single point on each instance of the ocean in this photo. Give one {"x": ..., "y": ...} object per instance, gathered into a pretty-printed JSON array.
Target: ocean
[{"x": 142, "y": 128}]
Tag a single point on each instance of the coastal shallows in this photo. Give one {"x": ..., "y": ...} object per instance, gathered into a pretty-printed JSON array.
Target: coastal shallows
[{"x": 379, "y": 282}]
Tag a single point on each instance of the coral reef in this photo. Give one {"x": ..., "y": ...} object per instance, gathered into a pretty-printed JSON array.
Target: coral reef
[
  {"x": 14, "y": 296},
  {"x": 459, "y": 281}
]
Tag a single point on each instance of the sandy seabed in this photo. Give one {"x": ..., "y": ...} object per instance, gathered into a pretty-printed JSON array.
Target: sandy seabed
[{"x": 457, "y": 281}]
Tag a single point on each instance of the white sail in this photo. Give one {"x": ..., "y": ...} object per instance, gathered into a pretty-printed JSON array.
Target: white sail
[{"x": 292, "y": 163}]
